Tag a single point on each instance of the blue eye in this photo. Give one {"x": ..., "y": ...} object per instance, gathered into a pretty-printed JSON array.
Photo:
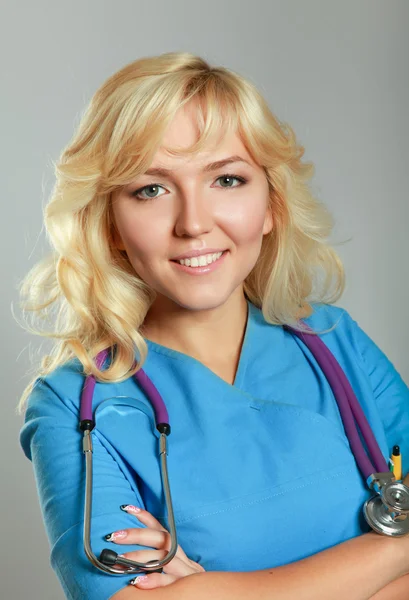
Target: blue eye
[
  {"x": 137, "y": 193},
  {"x": 154, "y": 186},
  {"x": 227, "y": 176}
]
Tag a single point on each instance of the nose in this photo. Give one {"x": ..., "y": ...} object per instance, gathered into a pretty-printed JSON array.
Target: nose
[{"x": 194, "y": 215}]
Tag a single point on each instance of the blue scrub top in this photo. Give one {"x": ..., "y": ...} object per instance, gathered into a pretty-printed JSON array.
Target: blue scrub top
[{"x": 261, "y": 472}]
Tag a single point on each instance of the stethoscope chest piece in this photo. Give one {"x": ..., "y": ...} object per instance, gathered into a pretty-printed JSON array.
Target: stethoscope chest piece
[{"x": 388, "y": 512}]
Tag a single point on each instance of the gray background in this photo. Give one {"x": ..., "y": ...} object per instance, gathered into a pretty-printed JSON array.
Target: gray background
[{"x": 336, "y": 71}]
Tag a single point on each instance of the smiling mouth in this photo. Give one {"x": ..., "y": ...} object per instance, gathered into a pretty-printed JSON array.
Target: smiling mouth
[{"x": 198, "y": 257}]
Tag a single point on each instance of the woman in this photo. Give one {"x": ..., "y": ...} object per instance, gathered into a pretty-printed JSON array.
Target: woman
[{"x": 260, "y": 468}]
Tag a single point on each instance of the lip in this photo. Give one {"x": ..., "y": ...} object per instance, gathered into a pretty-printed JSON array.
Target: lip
[
  {"x": 192, "y": 253},
  {"x": 202, "y": 270}
]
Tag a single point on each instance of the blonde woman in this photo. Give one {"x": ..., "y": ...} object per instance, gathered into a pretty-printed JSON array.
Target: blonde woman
[{"x": 175, "y": 159}]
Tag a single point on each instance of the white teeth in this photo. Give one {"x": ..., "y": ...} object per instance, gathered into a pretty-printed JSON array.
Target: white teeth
[{"x": 200, "y": 261}]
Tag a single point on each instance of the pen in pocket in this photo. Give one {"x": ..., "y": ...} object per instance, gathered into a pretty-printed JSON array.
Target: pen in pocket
[{"x": 395, "y": 463}]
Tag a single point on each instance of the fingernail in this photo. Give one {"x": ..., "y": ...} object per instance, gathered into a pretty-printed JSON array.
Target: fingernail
[
  {"x": 116, "y": 535},
  {"x": 130, "y": 508},
  {"x": 140, "y": 579}
]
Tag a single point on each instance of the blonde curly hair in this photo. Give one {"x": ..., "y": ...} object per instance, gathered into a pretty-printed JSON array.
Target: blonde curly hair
[{"x": 99, "y": 300}]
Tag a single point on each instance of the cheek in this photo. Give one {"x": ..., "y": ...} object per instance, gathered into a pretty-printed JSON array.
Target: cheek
[
  {"x": 246, "y": 226},
  {"x": 142, "y": 236}
]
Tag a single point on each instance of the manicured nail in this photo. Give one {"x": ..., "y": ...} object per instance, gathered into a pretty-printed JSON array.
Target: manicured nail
[
  {"x": 116, "y": 535},
  {"x": 136, "y": 580},
  {"x": 130, "y": 508}
]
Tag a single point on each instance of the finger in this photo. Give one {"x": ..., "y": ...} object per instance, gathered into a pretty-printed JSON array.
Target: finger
[
  {"x": 197, "y": 566},
  {"x": 406, "y": 480},
  {"x": 146, "y": 537},
  {"x": 153, "y": 580},
  {"x": 149, "y": 520},
  {"x": 144, "y": 556},
  {"x": 142, "y": 536},
  {"x": 177, "y": 567},
  {"x": 144, "y": 516}
]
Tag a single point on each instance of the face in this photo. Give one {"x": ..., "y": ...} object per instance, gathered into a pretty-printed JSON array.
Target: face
[{"x": 160, "y": 217}]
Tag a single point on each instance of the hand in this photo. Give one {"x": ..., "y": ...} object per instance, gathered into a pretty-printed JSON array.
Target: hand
[{"x": 156, "y": 536}]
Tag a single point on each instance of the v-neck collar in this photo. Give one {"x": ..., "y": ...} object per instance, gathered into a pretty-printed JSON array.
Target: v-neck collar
[{"x": 242, "y": 365}]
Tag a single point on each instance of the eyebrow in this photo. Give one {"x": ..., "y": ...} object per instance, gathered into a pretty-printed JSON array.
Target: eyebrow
[{"x": 213, "y": 166}]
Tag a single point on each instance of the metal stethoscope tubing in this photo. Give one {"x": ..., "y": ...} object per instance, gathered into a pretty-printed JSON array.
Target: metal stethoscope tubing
[{"x": 108, "y": 557}]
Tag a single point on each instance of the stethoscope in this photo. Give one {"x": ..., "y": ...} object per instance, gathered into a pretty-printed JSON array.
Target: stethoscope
[{"x": 387, "y": 512}]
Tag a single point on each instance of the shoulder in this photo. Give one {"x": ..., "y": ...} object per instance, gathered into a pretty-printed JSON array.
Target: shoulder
[
  {"x": 60, "y": 388},
  {"x": 320, "y": 316},
  {"x": 348, "y": 338},
  {"x": 51, "y": 411},
  {"x": 336, "y": 327}
]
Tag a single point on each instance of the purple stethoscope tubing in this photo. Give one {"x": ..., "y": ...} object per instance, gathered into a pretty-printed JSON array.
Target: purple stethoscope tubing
[
  {"x": 161, "y": 413},
  {"x": 349, "y": 407}
]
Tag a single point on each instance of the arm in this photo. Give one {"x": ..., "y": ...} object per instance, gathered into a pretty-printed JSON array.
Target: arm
[
  {"x": 51, "y": 439},
  {"x": 397, "y": 590},
  {"x": 390, "y": 391},
  {"x": 356, "y": 569},
  {"x": 392, "y": 397}
]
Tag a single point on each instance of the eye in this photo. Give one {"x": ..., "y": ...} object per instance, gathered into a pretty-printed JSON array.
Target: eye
[
  {"x": 152, "y": 187},
  {"x": 231, "y": 176}
]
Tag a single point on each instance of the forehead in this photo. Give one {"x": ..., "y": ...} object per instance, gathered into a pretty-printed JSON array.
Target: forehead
[{"x": 182, "y": 132}]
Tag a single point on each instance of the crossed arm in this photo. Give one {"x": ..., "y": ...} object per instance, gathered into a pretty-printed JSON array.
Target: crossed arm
[{"x": 369, "y": 567}]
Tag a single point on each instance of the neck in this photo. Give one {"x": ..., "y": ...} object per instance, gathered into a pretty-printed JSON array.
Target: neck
[{"x": 208, "y": 335}]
